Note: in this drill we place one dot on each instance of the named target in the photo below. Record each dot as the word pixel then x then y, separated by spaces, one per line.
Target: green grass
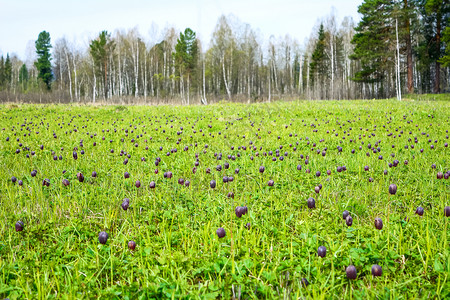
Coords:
pixel 429 97
pixel 178 253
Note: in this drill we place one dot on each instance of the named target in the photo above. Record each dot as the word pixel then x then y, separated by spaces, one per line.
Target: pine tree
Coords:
pixel 373 43
pixel 100 50
pixel 318 65
pixel 186 50
pixel 407 15
pixel 445 60
pixel 435 18
pixel 186 54
pixel 43 63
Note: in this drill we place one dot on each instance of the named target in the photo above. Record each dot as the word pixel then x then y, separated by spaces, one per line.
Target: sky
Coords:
pixel 80 21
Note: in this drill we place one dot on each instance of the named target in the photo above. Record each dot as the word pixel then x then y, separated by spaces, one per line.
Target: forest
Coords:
pixel 398 47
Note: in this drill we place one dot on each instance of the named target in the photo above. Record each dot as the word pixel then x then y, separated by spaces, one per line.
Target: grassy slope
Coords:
pixel 178 252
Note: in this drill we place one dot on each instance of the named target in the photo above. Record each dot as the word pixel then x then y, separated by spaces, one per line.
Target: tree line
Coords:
pixel 398 47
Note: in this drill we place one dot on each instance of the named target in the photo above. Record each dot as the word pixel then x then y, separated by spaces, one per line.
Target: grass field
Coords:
pixel 269 252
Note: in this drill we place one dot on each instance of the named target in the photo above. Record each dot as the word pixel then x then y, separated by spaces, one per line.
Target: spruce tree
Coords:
pixel 43 63
pixel 7 72
pixel 23 77
pixel 318 65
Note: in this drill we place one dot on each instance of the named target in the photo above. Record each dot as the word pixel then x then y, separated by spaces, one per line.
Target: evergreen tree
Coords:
pixel 23 77
pixel 2 72
pixel 43 63
pixel 7 71
pixel 445 60
pixel 318 65
pixel 186 54
pixel 373 42
pixel 100 50
pixel 408 14
pixel 435 17
pixel 186 51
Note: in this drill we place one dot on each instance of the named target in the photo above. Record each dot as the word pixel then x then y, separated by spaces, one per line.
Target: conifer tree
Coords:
pixel 435 18
pixel 2 72
pixel 23 77
pixel 7 71
pixel 373 42
pixel 186 54
pixel 445 60
pixel 43 63
pixel 318 65
pixel 101 49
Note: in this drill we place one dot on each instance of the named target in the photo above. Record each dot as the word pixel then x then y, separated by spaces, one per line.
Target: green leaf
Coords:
pixel 438 267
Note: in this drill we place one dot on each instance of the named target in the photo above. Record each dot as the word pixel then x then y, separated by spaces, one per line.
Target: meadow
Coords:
pixel 226 201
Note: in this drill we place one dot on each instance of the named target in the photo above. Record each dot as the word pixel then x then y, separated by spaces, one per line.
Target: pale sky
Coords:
pixel 79 21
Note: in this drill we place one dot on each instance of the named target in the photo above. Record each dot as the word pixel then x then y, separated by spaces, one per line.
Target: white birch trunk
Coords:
pixel 136 68
pixel 332 68
pixel 300 74
pixel 70 76
pixel 188 89
pixel 145 75
pixel 399 90
pixel 93 90
pixel 270 78
pixel 75 77
pixel 183 100
pixel 225 78
pixel 151 77
pixel 307 78
pixel 204 85
pixel 120 76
